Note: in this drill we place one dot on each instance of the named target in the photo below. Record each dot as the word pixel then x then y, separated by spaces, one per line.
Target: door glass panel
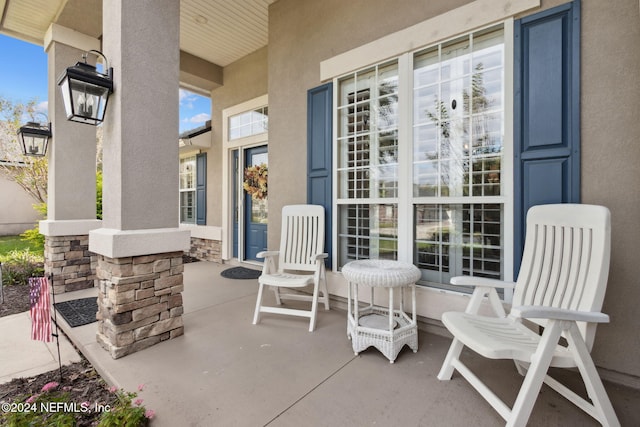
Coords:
pixel 259 204
pixel 256 203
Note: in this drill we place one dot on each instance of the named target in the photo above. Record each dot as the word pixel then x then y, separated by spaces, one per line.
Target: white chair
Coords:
pixel 560 287
pixel 300 263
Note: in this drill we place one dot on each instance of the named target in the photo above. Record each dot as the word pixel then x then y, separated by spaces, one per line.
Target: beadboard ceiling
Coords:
pixel 218 31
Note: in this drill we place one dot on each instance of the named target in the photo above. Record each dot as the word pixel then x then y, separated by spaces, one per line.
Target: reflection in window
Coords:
pixel 458 135
pixel 458 117
pixel 368 163
pixel 368 232
pixel 368 133
pixel 458 239
pixel 446 179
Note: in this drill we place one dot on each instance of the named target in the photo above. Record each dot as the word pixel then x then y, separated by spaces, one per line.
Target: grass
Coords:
pixel 13 243
pixel 20 260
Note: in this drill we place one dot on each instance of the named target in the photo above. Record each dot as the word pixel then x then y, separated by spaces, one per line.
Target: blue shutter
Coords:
pixel 201 189
pixel 319 154
pixel 547 113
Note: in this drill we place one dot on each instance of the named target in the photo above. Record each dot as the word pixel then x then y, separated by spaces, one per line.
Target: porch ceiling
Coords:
pixel 218 31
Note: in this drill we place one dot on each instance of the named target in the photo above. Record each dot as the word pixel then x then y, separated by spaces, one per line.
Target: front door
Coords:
pixel 255 201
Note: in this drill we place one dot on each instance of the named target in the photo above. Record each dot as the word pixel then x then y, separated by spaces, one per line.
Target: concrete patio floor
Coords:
pixel 225 371
pixel 20 356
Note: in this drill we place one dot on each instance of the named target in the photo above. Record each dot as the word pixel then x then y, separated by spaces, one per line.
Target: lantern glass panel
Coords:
pixel 66 97
pixel 34 145
pixel 89 101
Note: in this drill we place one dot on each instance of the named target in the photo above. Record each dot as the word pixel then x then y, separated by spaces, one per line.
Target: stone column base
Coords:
pixel 206 249
pixel 69 260
pixel 139 301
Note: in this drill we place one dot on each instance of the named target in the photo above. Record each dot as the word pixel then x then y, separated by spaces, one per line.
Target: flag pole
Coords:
pixel 55 320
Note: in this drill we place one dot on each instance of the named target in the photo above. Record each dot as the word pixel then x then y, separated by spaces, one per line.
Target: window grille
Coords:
pixel 454 196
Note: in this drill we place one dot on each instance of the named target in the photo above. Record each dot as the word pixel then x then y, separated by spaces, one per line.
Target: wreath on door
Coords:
pixel 255 181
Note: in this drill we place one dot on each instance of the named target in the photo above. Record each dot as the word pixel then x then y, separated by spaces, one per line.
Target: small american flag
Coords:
pixel 40 309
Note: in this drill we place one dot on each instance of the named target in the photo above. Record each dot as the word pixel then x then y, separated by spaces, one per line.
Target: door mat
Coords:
pixel 240 273
pixel 78 312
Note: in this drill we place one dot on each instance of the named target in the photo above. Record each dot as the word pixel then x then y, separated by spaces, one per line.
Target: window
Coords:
pixel 249 123
pixel 188 190
pixel 368 164
pixel 452 193
pixel 458 128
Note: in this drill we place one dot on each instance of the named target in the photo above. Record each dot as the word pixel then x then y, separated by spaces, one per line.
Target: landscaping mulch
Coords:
pixel 16 300
pixel 79 379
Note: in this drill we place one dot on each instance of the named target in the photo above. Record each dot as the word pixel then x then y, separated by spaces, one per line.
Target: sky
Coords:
pixel 23 77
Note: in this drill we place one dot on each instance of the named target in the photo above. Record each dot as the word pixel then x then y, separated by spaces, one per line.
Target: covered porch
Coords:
pixel 226 371
pixel 219 369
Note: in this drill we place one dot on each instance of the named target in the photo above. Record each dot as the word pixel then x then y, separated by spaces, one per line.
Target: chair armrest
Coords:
pixel 481 282
pixel 267 254
pixel 535 312
pixel 318 257
pixel 483 287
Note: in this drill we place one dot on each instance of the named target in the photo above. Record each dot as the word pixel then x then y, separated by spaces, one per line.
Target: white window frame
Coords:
pixel 181 190
pixel 405 200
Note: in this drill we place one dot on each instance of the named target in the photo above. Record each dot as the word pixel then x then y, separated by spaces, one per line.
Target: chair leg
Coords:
pixel 314 307
pixel 592 381
pixel 325 292
pixel 447 366
pixel 256 315
pixel 276 291
pixel 535 376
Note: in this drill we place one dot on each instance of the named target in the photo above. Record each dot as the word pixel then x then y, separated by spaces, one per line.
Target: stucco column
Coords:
pixel 140 245
pixel 71 204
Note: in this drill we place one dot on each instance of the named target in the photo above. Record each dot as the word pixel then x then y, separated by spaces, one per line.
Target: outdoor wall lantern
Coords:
pixel 85 91
pixel 34 138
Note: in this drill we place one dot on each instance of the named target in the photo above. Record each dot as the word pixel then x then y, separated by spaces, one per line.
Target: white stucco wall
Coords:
pixel 16 209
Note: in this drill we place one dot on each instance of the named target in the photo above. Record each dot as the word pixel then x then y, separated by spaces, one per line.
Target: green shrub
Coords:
pixel 33 236
pixel 127 411
pixel 52 406
pixel 29 411
pixel 35 239
pixel 99 195
pixel 18 266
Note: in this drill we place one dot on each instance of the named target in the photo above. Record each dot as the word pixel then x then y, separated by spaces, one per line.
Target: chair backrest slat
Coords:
pixel 302 236
pixel 565 262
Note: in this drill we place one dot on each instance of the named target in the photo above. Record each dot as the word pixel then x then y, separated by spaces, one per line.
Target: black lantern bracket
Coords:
pixel 109 70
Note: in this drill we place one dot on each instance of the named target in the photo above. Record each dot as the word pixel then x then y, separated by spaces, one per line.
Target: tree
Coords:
pixel 30 173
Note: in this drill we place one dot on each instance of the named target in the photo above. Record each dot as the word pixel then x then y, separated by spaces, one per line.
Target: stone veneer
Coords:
pixel 139 301
pixel 69 260
pixel 206 249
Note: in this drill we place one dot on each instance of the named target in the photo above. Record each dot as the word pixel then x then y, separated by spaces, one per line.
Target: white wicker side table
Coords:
pixel 386 328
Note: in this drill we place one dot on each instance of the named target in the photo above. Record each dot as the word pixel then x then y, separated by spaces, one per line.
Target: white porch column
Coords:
pixel 71 204
pixel 140 245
